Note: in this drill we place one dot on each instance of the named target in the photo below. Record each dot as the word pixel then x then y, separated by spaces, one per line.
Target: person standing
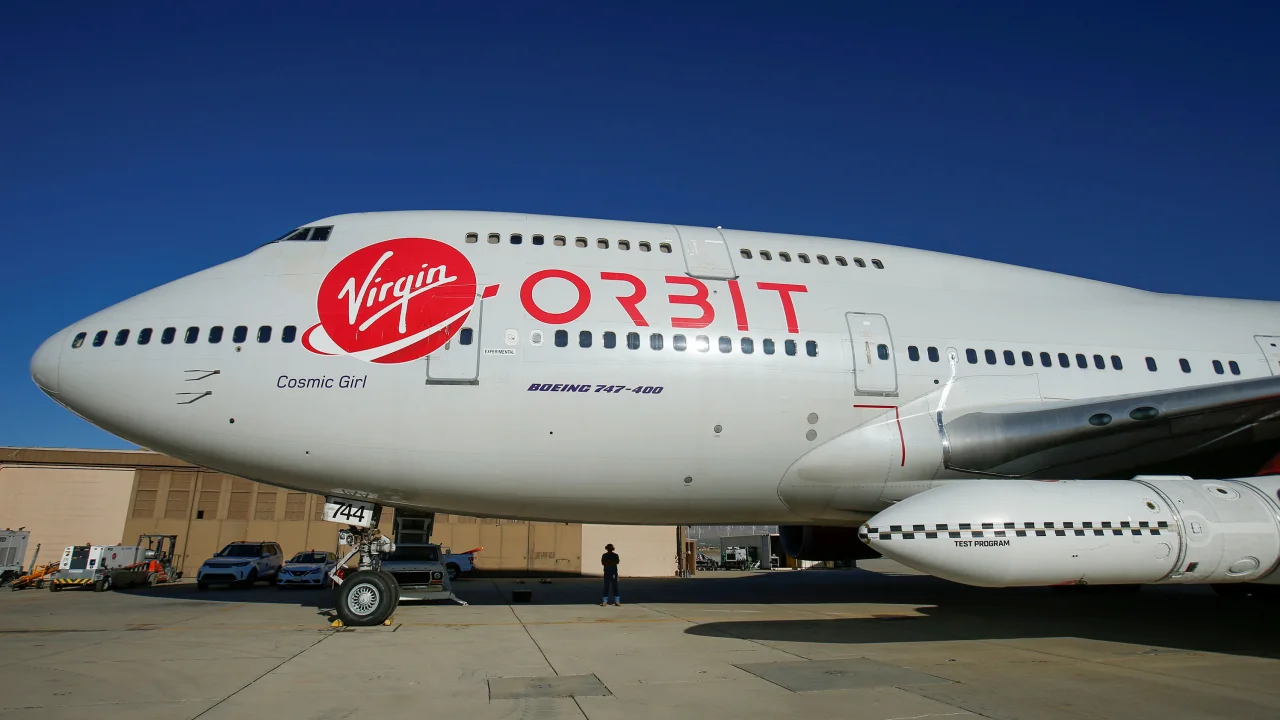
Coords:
pixel 610 562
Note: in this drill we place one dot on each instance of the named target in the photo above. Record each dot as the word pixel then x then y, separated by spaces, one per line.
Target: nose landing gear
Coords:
pixel 370 595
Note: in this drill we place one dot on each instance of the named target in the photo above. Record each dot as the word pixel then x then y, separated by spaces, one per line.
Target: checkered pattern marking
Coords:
pixel 1012 529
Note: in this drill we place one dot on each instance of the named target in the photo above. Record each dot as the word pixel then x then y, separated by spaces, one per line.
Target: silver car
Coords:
pixel 309 568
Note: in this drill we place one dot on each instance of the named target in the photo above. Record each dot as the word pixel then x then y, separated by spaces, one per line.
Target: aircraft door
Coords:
pixel 875 370
pixel 1270 345
pixel 706 254
pixel 458 362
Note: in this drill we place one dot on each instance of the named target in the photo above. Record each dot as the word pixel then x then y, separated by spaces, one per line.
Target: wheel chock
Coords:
pixel 389 620
pixel 336 623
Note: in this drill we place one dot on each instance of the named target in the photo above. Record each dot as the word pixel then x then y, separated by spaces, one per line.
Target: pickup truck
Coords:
pixel 459 563
pixel 419 571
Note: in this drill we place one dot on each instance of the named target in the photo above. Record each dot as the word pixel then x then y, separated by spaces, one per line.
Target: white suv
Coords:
pixel 241 563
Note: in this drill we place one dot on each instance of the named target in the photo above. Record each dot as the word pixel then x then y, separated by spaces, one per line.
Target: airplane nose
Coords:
pixel 44 364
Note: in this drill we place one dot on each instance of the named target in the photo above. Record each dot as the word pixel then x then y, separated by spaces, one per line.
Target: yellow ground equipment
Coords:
pixel 36 578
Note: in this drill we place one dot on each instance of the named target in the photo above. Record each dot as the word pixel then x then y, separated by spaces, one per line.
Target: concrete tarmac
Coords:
pixel 879 642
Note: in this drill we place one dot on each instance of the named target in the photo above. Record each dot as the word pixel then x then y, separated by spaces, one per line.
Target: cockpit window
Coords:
pixel 311 234
pixel 78 341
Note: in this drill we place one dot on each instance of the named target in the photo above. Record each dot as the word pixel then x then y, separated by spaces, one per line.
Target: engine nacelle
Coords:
pixel 821 542
pixel 1000 533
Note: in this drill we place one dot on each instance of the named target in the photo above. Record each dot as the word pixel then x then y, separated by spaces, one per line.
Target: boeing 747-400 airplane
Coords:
pixel 567 369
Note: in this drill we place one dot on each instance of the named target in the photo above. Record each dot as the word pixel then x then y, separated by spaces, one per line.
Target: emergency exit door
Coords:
pixel 458 362
pixel 875 371
pixel 1270 345
pixel 706 254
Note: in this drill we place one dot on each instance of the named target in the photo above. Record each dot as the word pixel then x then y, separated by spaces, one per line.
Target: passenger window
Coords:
pixel 913 353
pixel 1028 359
pixel 811 347
pixel 558 241
pixel 1008 357
pixel 644 246
pixel 802 257
pixel 790 347
pixel 144 336
pixel 193 334
pixel 859 262
pixel 1099 363
pixel 841 261
pixel 726 345
pixel 1151 364
pixel 933 353
pixel 764 255
pixel 562 338
pixel 321 234
pixel 971 355
pixel 702 343
pixel 1115 362
pixel 494 238
pixel 288 333
pixel 466 336
pixel 1046 359
pixel 784 256
pixel 240 334
pixel 990 355
pixel 1063 360
pixel 602 243
pixel 100 338
pixel 665 247
pixel 655 341
pixel 473 238
pixel 745 253
pixel 768 346
pixel 580 242
pixel 538 240
pixel 122 337
pixel 1186 366
pixel 215 334
pixel 75 344
pixel 516 238
pixel 1235 369
pixel 264 334
pixel 1217 366
pixel 610 340
pixel 167 336
pixel 633 341
pixel 1081 361
pixel 584 338
pixel 624 244
pixel 679 343
pixel 748 346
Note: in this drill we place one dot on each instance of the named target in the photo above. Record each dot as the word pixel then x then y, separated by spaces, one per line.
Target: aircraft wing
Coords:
pixel 1233 428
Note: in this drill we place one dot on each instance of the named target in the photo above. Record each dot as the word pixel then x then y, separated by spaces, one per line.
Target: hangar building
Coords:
pixel 76 497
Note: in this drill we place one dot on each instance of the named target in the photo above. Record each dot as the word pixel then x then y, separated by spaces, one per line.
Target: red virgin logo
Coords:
pixel 393 301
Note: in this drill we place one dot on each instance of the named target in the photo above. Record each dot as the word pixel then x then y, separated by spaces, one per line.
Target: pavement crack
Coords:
pixel 268 672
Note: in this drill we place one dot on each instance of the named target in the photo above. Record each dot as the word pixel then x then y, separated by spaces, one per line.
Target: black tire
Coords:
pixel 53 587
pixel 454 571
pixel 394 584
pixel 252 579
pixel 366 598
pixel 101 585
pixel 201 587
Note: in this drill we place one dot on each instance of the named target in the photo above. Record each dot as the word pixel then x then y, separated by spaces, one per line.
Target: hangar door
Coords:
pixel 706 254
pixel 875 371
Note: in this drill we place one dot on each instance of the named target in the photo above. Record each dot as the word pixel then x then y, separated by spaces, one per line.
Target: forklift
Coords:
pixel 156 566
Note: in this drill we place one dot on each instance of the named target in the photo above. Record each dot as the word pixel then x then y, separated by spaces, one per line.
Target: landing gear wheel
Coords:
pixel 395 590
pixel 366 598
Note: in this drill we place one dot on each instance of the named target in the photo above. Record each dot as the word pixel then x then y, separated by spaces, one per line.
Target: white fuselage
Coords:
pixel 492 430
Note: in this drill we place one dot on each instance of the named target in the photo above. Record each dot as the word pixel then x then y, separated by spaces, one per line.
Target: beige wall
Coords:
pixel 512 544
pixel 64 506
pixel 645 551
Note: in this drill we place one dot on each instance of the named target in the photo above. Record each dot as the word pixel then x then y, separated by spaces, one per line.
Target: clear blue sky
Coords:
pixel 139 143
